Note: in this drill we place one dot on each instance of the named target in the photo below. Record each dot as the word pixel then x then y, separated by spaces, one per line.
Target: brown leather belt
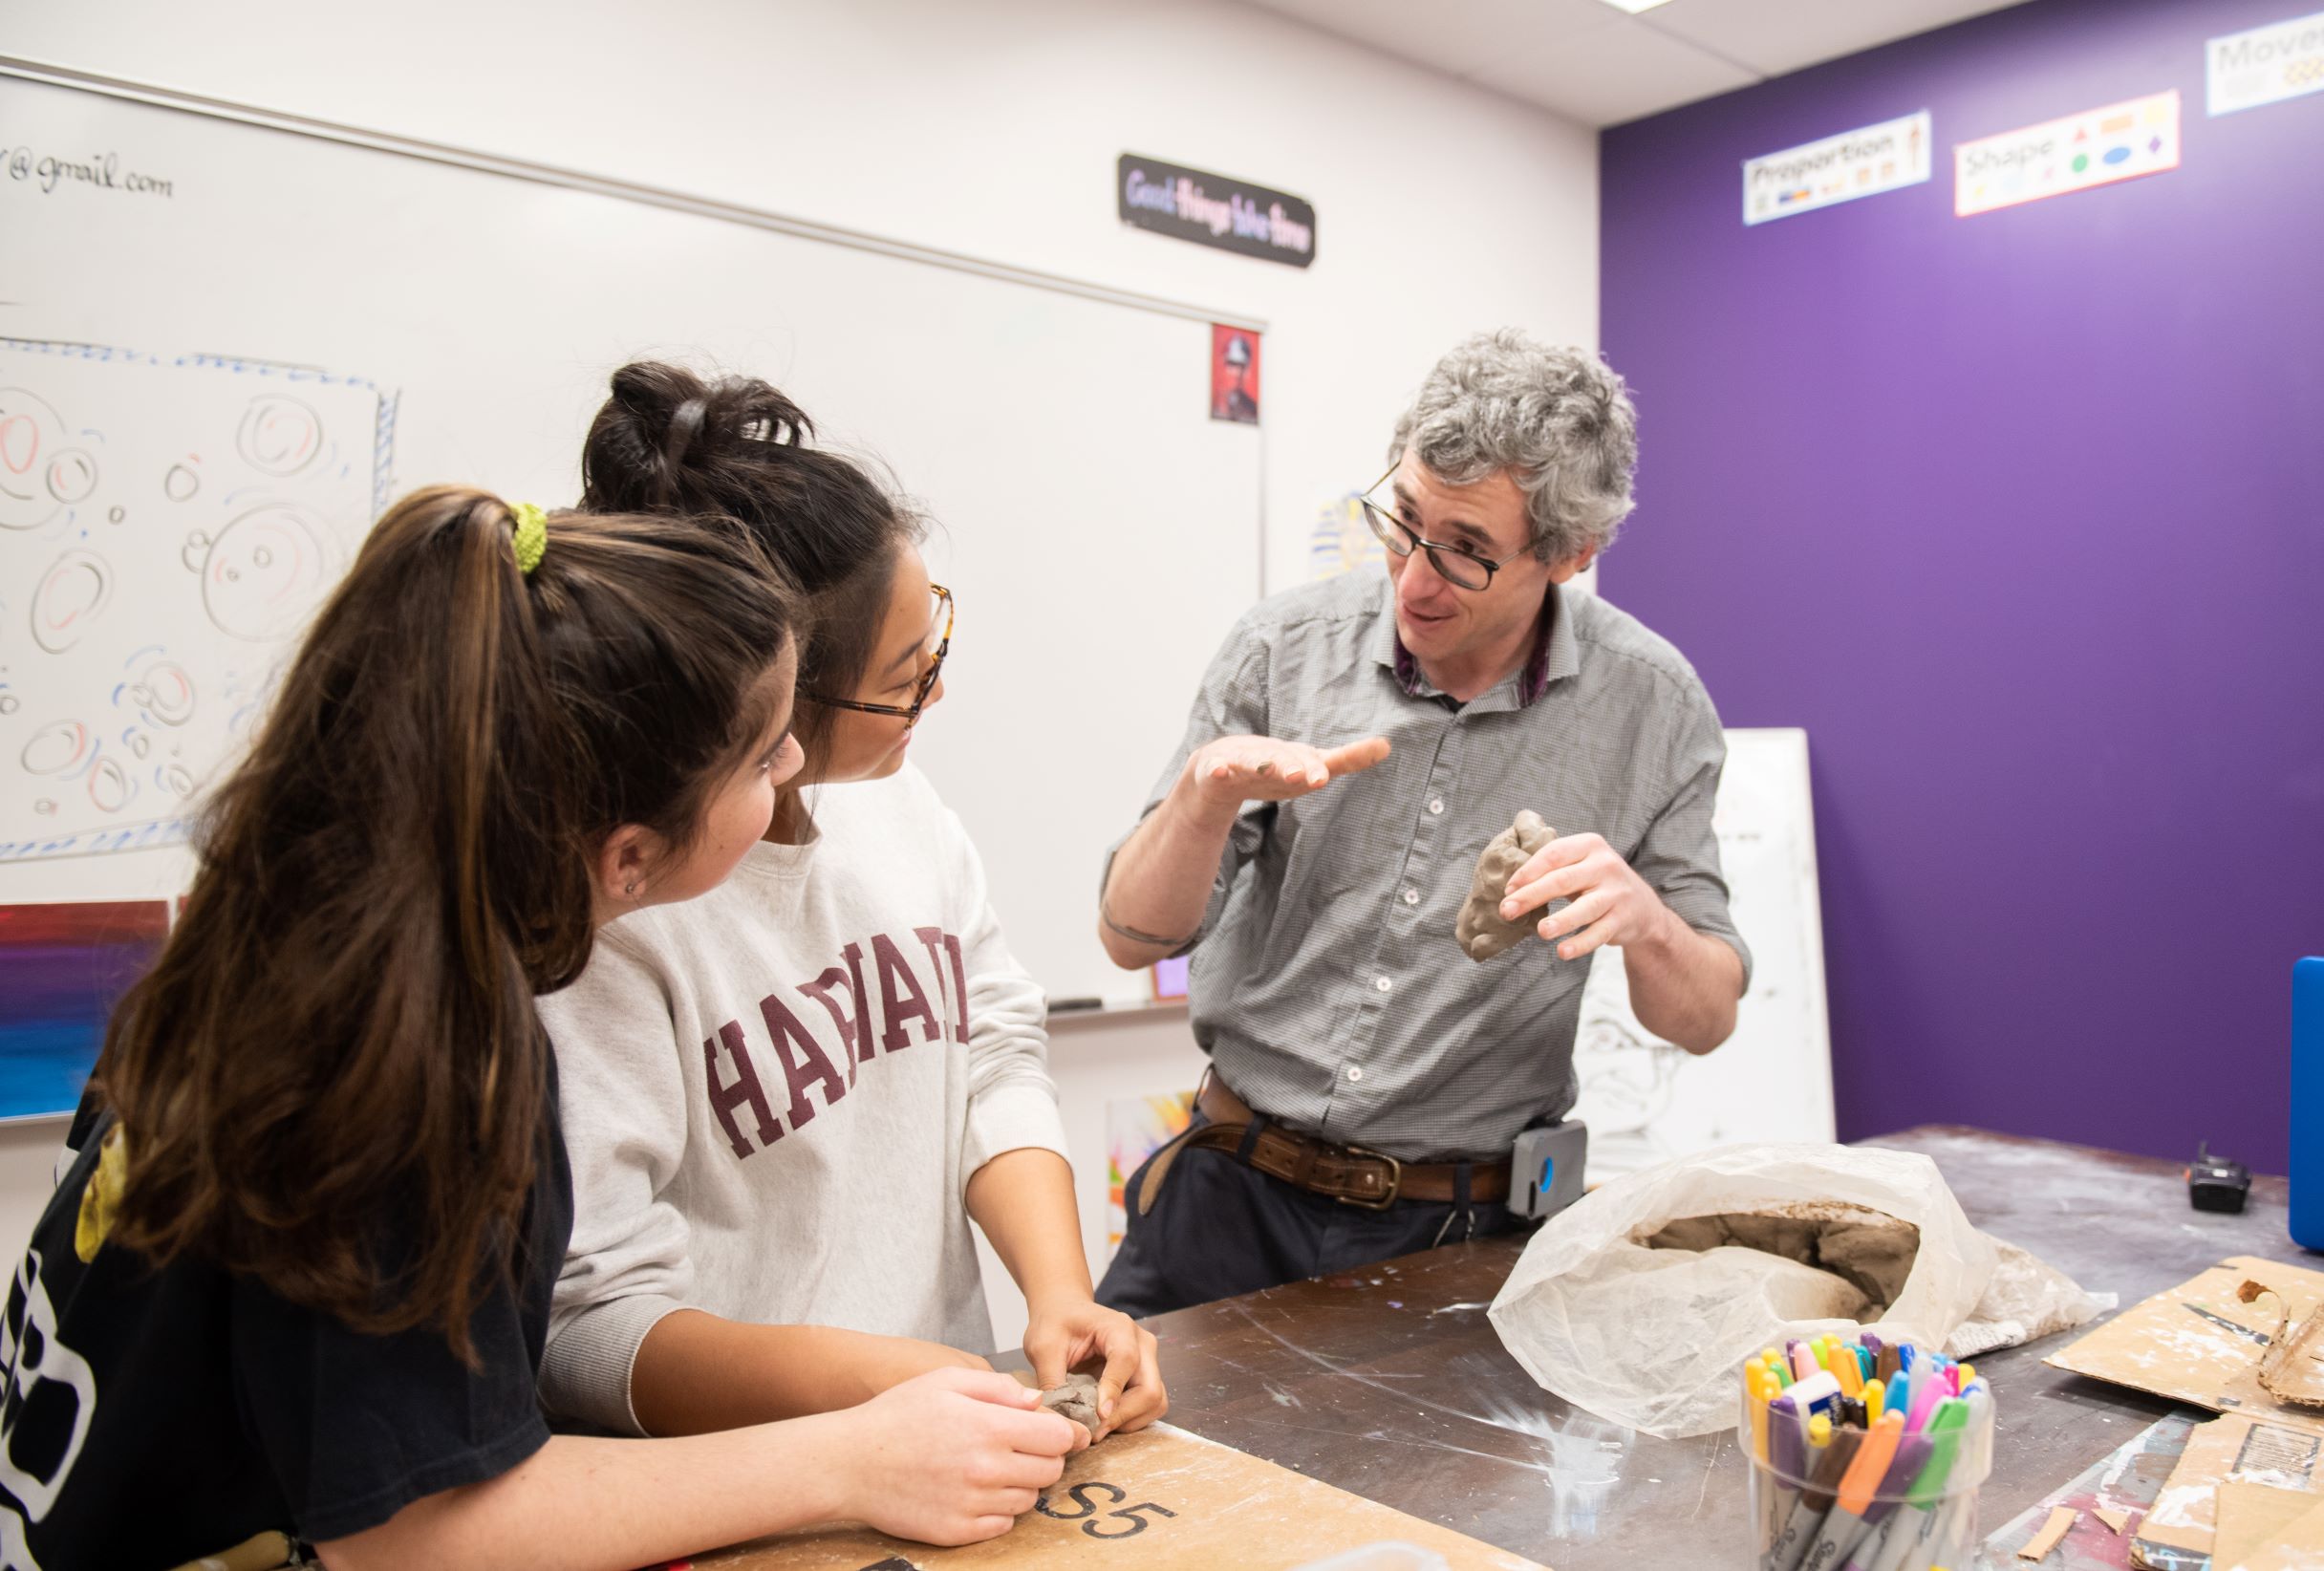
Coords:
pixel 1349 1175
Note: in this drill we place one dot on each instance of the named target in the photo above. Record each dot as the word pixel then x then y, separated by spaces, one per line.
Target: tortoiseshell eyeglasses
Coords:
pixel 938 645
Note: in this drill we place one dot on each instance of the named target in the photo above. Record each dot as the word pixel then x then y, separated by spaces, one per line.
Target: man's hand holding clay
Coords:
pixel 1683 983
pixel 1161 879
pixel 1608 903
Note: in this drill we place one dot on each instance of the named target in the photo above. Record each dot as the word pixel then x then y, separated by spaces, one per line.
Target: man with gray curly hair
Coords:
pixel 1368 1077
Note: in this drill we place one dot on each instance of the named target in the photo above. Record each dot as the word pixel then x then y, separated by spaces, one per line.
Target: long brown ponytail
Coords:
pixel 333 1078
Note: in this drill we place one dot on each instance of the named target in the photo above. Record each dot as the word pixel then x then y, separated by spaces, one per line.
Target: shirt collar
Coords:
pixel 1555 657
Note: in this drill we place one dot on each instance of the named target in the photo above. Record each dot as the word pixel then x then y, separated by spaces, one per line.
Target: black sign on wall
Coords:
pixel 1214 210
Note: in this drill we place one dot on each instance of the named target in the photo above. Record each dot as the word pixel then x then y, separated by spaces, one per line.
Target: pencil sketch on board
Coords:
pixel 173 524
pixel 1646 1100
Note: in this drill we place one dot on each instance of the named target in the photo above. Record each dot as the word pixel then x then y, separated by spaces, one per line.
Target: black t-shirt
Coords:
pixel 155 1417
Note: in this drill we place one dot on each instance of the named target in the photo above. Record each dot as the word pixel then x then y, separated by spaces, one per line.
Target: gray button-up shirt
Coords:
pixel 1327 986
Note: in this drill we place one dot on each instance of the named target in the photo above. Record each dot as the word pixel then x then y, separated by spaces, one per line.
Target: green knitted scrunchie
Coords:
pixel 531 536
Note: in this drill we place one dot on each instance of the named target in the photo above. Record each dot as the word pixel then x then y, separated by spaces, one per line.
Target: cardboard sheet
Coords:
pixel 2113 1490
pixel 2253 1517
pixel 2196 1344
pixel 2298 1545
pixel 2182 1527
pixel 1161 1498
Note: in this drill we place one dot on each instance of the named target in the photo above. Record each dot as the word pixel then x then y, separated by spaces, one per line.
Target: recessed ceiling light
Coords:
pixel 1634 7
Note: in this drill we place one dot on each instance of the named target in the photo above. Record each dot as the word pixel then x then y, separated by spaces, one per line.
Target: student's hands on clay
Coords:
pixel 1610 903
pixel 1229 772
pixel 1064 1333
pixel 954 1456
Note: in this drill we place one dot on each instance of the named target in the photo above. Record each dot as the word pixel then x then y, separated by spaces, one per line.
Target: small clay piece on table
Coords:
pixel 2061 1522
pixel 1480 930
pixel 1076 1399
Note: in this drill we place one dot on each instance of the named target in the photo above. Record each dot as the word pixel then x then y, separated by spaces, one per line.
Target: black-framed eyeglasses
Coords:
pixel 940 644
pixel 1456 565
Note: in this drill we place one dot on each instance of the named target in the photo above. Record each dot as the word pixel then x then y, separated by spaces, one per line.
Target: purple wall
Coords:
pixel 2022 516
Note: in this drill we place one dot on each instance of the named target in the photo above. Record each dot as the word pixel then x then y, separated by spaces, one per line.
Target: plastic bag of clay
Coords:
pixel 1640 1301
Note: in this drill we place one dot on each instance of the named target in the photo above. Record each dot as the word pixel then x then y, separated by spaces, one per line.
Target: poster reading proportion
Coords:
pixel 1854 163
pixel 2096 147
pixel 2265 65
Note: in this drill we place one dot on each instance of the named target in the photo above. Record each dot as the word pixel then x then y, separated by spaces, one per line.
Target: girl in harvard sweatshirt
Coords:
pixel 786 1102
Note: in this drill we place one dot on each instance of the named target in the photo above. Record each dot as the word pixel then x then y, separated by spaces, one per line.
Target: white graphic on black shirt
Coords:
pixel 46 1406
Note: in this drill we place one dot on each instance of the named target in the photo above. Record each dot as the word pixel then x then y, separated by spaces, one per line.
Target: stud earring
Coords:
pixel 630 889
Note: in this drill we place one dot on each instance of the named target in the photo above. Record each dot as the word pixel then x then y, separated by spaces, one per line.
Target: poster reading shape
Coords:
pixel 2264 65
pixel 62 969
pixel 167 527
pixel 1855 164
pixel 2096 147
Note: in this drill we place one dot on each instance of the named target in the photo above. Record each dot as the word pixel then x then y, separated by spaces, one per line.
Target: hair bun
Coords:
pixel 755 411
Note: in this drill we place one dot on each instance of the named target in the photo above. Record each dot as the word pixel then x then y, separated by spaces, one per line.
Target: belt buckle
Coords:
pixel 1395 1180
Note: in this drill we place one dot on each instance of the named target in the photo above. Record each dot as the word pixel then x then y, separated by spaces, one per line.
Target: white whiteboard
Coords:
pixel 300 326
pixel 1646 1100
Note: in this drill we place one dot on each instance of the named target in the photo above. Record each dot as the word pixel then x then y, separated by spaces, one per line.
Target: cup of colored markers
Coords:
pixel 1866 1455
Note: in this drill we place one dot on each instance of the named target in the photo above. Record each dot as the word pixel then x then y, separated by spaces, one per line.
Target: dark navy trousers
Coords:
pixel 1219 1228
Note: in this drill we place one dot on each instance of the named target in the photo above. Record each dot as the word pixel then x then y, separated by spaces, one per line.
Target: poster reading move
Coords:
pixel 2265 65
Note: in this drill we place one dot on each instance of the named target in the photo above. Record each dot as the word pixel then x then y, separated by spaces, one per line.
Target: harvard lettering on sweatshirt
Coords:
pixel 774 1096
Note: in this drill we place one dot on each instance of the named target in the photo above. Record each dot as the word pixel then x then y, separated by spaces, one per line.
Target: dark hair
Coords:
pixel 333 1078
pixel 669 440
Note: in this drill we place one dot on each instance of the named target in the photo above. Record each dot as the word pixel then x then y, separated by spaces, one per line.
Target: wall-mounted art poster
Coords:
pixel 2096 147
pixel 1854 163
pixel 1234 374
pixel 62 969
pixel 2264 65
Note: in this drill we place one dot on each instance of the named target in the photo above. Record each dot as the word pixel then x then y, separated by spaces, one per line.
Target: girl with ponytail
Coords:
pixel 786 1102
pixel 292 1291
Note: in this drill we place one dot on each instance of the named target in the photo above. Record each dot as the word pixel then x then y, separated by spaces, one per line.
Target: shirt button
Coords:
pixel 1411 897
pixel 1436 805
pixel 1383 983
pixel 1355 1072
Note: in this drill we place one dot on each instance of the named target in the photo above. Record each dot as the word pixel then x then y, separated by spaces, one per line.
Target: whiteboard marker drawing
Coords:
pixel 200 511
pixel 31 434
pixel 262 572
pixel 109 787
pixel 71 474
pixel 72 594
pixel 279 436
pixel 56 747
pixel 164 692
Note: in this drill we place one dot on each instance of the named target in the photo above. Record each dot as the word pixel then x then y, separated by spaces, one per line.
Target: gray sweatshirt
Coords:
pixel 775 1095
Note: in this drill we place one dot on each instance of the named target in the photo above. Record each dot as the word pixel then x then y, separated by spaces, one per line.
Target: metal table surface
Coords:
pixel 1391 1384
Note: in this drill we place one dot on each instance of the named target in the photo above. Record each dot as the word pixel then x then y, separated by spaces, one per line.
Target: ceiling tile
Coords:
pixel 1614 74
pixel 1454 35
pixel 1774 36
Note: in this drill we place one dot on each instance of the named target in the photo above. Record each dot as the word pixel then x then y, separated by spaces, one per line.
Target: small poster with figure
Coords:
pixel 1234 374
